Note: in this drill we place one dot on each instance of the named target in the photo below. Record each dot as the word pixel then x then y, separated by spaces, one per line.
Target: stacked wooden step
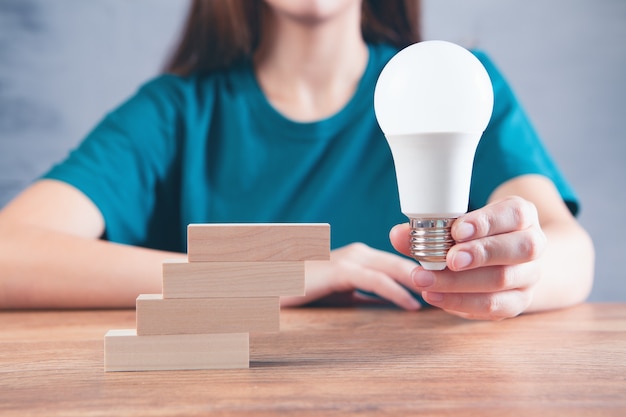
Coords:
pixel 229 286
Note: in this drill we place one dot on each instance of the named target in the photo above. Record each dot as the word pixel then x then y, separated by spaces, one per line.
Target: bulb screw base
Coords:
pixel 430 240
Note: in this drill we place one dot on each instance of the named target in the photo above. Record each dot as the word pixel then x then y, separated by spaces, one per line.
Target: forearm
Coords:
pixel 40 268
pixel 567 267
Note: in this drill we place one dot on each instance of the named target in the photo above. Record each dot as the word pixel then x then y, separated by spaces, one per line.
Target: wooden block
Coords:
pixel 125 351
pixel 250 242
pixel 158 315
pixel 182 279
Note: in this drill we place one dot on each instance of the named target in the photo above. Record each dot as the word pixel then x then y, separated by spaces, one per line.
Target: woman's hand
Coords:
pixel 493 267
pixel 359 267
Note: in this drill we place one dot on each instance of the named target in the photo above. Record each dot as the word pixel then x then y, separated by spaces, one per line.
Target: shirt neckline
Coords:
pixel 267 114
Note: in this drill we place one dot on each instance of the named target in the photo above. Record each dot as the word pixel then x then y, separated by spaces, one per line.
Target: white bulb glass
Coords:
pixel 433 100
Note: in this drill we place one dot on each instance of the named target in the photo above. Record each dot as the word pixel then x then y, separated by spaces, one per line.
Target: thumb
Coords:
pixel 399 237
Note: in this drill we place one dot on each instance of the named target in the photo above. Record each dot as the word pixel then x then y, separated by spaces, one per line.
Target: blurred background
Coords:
pixel 64 63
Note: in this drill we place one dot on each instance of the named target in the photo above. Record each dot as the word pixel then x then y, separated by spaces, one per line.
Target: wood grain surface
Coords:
pixel 158 315
pixel 338 362
pixel 254 242
pixel 182 279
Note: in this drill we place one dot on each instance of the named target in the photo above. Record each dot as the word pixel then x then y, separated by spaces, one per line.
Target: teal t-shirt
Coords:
pixel 212 149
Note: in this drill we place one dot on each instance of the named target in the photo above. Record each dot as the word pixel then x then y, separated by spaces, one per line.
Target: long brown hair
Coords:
pixel 219 33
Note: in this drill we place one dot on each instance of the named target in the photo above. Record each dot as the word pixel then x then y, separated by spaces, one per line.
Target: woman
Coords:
pixel 267 116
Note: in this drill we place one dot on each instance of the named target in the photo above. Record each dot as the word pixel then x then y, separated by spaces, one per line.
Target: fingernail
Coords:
pixel 462 260
pixel 413 304
pixel 433 296
pixel 423 278
pixel 464 231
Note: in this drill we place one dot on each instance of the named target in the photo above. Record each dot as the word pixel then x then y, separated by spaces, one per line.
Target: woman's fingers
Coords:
pixel 490 272
pixel 358 266
pixel 482 306
pixel 508 215
pixel 378 283
pixel 489 279
pixel 490 293
pixel 506 232
pixel 504 249
pixel 399 237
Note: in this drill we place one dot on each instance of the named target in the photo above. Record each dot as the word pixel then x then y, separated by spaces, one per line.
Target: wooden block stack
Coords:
pixel 229 286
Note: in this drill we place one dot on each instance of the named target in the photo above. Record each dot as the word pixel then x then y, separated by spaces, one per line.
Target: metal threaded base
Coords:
pixel 430 240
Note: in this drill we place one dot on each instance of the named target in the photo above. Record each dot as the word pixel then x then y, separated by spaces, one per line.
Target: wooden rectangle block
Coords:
pixel 182 279
pixel 158 315
pixel 125 351
pixel 249 242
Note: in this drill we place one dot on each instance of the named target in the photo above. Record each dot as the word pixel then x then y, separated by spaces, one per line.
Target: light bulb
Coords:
pixel 433 100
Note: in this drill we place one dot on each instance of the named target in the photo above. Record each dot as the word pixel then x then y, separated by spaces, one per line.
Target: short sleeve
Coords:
pixel 120 162
pixel 510 147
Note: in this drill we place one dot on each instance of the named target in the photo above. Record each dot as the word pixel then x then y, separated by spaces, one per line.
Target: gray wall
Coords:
pixel 63 63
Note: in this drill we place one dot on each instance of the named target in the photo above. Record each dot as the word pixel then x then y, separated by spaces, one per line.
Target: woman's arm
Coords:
pixel 51 255
pixel 522 252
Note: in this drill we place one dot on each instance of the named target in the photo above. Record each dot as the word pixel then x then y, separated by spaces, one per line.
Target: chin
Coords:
pixel 312 11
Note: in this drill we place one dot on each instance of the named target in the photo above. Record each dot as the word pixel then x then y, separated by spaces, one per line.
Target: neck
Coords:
pixel 309 69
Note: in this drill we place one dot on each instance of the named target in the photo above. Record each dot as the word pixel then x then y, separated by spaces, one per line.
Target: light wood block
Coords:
pixel 250 242
pixel 182 279
pixel 158 315
pixel 125 351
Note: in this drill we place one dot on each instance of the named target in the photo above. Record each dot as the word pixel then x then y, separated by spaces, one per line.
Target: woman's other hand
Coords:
pixel 359 267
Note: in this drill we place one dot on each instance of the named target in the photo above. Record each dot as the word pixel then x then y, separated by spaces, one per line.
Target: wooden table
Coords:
pixel 351 361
